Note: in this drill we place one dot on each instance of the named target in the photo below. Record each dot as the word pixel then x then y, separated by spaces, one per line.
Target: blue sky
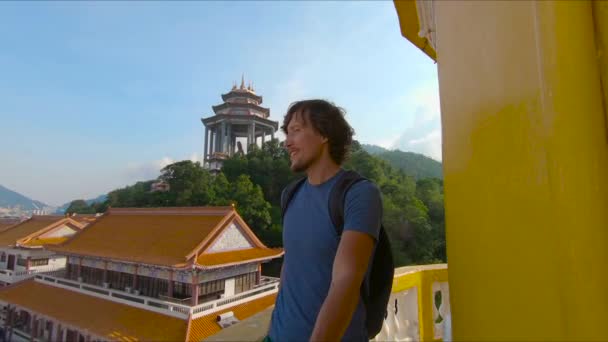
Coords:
pixel 97 95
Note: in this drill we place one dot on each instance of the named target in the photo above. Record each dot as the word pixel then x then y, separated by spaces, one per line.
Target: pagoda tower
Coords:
pixel 240 120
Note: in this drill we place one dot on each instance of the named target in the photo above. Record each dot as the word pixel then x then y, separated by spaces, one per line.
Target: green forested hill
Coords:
pixel 413 207
pixel 414 164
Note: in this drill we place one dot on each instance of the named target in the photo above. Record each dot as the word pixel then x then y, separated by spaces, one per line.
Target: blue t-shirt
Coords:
pixel 310 242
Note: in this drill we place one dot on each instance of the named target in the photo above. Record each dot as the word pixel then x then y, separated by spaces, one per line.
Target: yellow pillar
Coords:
pixel 525 156
pixel 600 16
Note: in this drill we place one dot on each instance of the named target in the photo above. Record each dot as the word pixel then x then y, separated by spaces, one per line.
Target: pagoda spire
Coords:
pixel 243 81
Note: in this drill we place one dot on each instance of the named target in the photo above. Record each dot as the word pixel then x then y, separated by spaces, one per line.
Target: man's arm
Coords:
pixel 349 268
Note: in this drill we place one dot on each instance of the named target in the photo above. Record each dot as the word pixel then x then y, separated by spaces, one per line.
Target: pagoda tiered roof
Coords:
pixel 169 237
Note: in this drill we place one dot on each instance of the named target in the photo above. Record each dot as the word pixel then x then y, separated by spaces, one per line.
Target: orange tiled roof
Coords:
pixel 158 236
pixel 35 224
pixel 206 326
pixel 105 318
pixel 237 256
pixel 4 226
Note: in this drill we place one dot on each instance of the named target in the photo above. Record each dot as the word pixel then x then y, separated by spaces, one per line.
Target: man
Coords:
pixel 322 273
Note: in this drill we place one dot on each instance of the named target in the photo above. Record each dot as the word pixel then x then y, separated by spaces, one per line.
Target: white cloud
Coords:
pixel 146 170
pixel 423 133
pixel 429 145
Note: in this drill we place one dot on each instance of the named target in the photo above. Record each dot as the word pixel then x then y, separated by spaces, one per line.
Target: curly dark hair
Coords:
pixel 328 120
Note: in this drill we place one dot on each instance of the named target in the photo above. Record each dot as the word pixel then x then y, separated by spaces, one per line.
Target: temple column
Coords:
pixel 135 278
pixel 222 143
pixel 530 94
pixel 105 271
pixel 194 289
pixel 28 263
pixel 52 330
pixel 7 321
pixel 33 326
pixel 230 147
pixel 253 133
pixel 263 136
pixel 206 145
pixel 79 268
pixel 272 133
pixel 59 333
pixel 217 139
pixel 170 287
pixel 258 275
pixel 12 324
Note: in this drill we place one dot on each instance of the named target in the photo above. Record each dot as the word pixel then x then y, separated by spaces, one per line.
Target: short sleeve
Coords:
pixel 363 209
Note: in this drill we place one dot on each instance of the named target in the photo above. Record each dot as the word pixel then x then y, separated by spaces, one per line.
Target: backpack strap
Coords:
pixel 288 193
pixel 337 197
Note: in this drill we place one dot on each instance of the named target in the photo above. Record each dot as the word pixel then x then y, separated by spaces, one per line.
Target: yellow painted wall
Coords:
pixel 525 158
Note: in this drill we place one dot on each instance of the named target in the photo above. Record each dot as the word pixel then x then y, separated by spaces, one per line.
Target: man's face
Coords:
pixel 303 143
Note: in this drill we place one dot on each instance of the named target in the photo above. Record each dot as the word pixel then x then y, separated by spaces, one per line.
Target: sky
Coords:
pixel 95 96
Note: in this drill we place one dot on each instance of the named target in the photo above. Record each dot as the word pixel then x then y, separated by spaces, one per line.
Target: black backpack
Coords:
pixel 376 296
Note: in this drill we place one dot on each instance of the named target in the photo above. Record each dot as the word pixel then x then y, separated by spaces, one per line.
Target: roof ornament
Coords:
pixel 243 81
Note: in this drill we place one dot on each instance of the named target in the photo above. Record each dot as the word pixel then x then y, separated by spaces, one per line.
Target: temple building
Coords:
pixel 24 246
pixel 170 274
pixel 239 120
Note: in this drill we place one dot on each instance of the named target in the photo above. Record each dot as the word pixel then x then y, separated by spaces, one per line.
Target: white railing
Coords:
pixel 418 310
pixel 123 297
pixel 243 297
pixel 159 305
pixel 419 306
pixel 10 276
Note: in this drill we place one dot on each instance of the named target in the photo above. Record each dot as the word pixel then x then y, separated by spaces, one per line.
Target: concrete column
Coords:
pixel 170 287
pixel 222 143
pixel 28 263
pixel 33 327
pixel 258 275
pixel 7 321
pixel 12 324
pixel 105 272
pixel 229 140
pixel 53 330
pixel 253 133
pixel 194 289
pixel 79 268
pixel 59 332
pixel 524 131
pixel 217 131
pixel 249 138
pixel 206 145
pixel 272 133
pixel 135 278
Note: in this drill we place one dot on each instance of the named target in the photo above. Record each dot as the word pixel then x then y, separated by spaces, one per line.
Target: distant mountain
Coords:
pixel 98 199
pixel 11 199
pixel 374 149
pixel 414 164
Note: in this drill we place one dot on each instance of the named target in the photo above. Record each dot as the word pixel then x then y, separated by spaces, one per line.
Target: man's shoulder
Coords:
pixel 364 187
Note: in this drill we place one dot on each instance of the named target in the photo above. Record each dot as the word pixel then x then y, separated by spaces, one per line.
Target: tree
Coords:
pixel 80 207
pixel 413 209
